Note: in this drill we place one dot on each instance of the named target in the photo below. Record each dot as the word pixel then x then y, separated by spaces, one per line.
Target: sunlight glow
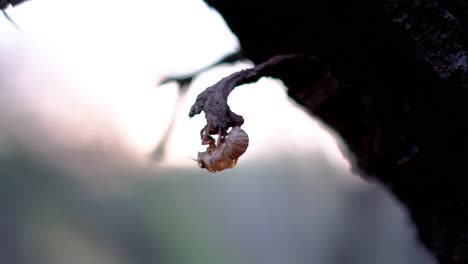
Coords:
pixel 100 61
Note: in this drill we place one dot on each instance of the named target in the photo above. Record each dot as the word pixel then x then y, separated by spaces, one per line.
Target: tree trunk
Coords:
pixel 401 102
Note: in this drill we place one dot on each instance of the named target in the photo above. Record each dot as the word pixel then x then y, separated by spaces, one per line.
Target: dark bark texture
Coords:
pixel 393 84
pixel 6 3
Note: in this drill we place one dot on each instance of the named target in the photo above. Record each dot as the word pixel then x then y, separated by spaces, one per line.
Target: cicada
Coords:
pixel 224 153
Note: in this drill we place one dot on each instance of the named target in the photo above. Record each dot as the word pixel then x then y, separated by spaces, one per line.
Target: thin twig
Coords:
pixel 5 14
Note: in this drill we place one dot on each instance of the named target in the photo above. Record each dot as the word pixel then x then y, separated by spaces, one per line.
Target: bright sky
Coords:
pixel 99 62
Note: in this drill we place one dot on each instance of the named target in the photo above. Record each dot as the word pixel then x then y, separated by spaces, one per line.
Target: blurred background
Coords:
pixel 81 114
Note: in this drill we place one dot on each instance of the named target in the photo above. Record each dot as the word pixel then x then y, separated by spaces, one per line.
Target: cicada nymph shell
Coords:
pixel 224 153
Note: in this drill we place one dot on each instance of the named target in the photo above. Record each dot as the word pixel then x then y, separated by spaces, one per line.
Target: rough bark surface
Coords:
pixel 213 101
pixel 392 84
pixel 440 31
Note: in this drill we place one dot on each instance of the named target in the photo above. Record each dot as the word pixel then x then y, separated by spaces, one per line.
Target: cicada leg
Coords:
pixel 205 136
pixel 221 136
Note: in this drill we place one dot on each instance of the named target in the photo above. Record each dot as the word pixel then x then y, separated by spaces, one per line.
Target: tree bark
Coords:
pixel 401 102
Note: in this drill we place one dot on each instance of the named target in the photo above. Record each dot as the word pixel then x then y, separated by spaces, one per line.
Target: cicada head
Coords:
pixel 216 160
pixel 201 159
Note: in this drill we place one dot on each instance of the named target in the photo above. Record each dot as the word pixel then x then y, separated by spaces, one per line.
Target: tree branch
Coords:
pixel 213 101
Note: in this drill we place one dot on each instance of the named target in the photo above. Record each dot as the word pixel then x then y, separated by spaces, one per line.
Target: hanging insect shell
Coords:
pixel 225 153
